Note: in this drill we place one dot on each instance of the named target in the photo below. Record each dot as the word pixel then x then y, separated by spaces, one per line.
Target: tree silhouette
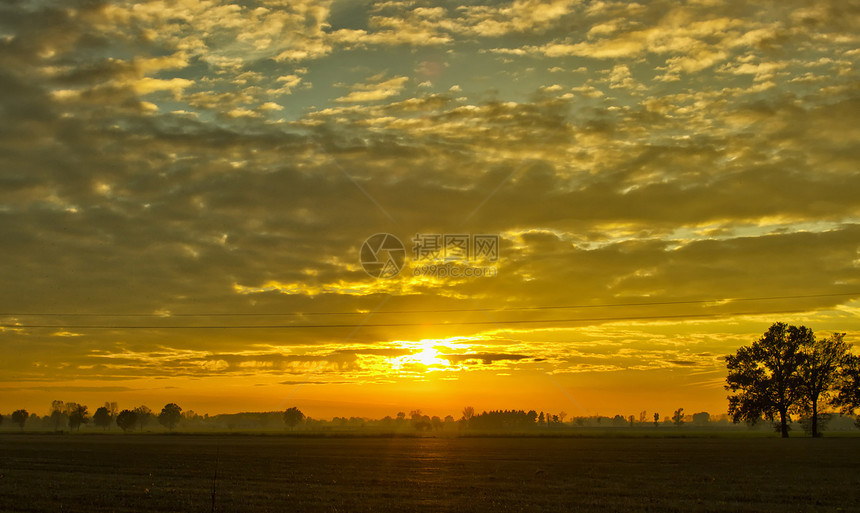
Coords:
pixel 678 417
pixel 1 420
pixel 468 413
pixel 819 371
pixel 656 419
pixel 58 415
pixel 293 417
pixel 102 417
pixel 764 377
pixel 20 417
pixel 144 414
pixel 436 422
pixel 126 419
pixel 77 415
pixel 112 410
pixel 420 421
pixel 848 398
pixel 504 420
pixel 701 418
pixel 170 415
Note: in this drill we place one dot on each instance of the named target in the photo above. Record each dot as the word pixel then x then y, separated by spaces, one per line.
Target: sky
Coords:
pixel 365 207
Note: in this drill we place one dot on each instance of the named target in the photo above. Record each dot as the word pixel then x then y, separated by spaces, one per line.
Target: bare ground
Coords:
pixel 102 473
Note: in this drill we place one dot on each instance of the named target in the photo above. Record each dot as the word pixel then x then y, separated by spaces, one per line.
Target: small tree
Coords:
pixel 819 372
pixel 77 415
pixel 170 416
pixel 678 417
pixel 436 423
pixel 144 415
pixel 113 410
pixel 468 413
pixel 656 419
pixel 293 417
pixel 102 417
pixel 701 418
pixel 20 417
pixel 126 420
pixel 420 422
pixel 58 414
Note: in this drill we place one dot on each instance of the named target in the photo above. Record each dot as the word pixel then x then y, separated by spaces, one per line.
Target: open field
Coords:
pixel 96 473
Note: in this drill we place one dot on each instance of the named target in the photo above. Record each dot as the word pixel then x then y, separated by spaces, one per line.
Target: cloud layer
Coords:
pixel 226 159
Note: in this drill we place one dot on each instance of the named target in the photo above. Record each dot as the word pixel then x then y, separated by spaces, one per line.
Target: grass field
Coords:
pixel 96 473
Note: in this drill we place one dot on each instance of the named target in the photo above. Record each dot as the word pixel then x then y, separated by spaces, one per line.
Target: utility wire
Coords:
pixel 450 310
pixel 380 325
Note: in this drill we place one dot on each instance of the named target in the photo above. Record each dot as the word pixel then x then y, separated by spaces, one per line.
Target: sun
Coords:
pixel 426 358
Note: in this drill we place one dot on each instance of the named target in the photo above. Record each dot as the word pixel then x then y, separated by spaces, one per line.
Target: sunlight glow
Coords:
pixel 425 358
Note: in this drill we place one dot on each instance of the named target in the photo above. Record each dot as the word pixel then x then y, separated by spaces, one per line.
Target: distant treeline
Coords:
pixel 71 416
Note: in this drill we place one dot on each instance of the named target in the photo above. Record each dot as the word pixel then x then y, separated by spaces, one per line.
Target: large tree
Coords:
pixel 764 378
pixel 170 415
pixel 819 371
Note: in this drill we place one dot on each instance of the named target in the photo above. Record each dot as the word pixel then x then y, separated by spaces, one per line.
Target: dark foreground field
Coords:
pixel 175 473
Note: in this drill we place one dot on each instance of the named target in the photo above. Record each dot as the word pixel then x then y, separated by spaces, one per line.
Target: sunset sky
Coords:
pixel 185 188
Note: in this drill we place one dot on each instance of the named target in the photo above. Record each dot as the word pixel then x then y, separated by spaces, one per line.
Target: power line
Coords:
pixel 449 310
pixel 383 325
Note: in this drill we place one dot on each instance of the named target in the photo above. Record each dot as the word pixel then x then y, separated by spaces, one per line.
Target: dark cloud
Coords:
pixel 484 358
pixel 682 363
